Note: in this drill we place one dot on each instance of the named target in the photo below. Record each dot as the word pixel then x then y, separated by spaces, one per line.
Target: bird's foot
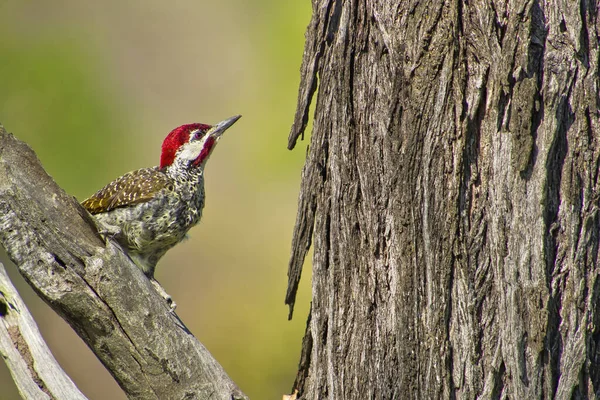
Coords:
pixel 164 295
pixel 108 231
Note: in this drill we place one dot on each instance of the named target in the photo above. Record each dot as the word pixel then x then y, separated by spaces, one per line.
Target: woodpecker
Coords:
pixel 150 210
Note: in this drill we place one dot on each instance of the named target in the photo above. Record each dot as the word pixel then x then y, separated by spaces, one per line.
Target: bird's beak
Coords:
pixel 217 130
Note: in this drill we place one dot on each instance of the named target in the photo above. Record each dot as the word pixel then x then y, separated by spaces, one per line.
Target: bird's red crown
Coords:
pixel 177 138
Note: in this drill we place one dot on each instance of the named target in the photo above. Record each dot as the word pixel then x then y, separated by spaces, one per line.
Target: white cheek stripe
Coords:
pixel 191 150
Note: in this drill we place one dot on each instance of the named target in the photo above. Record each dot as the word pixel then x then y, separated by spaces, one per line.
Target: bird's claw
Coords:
pixel 164 295
pixel 108 231
pixel 171 303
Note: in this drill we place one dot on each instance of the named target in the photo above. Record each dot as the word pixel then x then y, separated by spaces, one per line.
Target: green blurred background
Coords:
pixel 94 87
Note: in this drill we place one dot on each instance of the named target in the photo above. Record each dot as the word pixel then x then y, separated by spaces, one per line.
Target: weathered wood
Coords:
pixel 34 369
pixel 97 289
pixel 451 192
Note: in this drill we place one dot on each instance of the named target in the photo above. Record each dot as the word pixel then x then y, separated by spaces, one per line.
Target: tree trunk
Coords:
pixel 451 190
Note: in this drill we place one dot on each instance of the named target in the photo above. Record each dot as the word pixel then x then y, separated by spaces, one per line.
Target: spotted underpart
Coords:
pixel 166 209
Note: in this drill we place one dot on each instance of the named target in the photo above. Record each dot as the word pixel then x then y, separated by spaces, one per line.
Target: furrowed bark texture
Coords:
pixel 97 289
pixel 451 194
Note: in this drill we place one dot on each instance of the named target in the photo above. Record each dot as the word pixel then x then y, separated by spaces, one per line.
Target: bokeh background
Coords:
pixel 93 88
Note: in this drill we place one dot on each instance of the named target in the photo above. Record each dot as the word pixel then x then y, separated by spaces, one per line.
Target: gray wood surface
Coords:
pixel 34 369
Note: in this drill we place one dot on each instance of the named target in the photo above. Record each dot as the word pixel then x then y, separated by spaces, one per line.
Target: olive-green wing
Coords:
pixel 132 188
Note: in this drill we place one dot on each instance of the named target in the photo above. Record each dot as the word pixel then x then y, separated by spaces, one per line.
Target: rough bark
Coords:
pixel 97 289
pixel 451 191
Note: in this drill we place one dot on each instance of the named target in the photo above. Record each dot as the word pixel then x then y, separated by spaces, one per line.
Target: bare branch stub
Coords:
pixel 34 369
